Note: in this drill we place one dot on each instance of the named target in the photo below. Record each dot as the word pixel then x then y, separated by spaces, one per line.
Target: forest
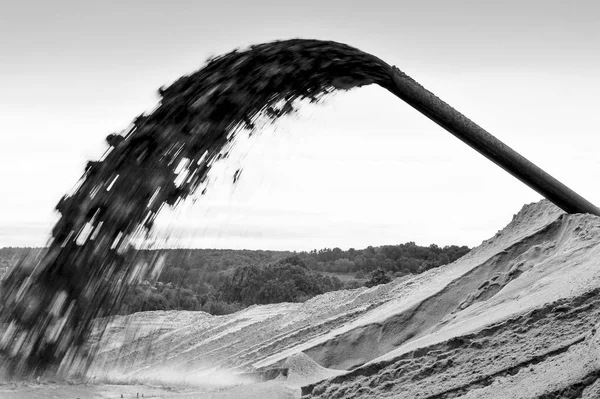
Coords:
pixel 221 281
pixel 224 281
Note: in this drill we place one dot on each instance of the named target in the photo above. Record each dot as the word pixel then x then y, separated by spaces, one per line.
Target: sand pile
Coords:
pixel 515 318
pixel 520 307
pixel 521 324
pixel 301 370
pixel 403 311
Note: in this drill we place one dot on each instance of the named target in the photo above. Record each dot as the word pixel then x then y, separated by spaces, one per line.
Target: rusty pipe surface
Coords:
pixel 489 146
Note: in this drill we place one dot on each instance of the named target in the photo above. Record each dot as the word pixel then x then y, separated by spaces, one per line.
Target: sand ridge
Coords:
pixel 515 318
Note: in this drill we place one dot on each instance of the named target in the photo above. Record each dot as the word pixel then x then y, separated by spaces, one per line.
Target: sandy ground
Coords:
pixel 515 318
pixel 267 390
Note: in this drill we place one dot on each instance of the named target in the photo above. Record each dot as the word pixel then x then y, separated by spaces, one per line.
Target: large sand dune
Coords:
pixel 515 318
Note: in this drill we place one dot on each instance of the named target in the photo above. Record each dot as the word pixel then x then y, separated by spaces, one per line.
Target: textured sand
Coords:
pixel 515 318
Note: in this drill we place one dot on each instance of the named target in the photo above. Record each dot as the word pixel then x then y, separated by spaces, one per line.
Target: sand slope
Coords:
pixel 514 318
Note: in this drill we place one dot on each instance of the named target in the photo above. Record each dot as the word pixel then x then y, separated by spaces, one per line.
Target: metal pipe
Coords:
pixel 489 146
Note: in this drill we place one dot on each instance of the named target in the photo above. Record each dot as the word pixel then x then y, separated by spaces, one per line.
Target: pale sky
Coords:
pixel 362 169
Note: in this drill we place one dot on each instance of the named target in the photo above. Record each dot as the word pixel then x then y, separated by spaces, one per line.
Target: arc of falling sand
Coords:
pixel 164 157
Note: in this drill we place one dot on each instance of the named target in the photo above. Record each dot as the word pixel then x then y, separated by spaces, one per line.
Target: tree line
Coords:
pixel 224 281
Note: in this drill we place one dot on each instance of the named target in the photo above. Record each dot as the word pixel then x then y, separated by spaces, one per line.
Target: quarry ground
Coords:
pixel 515 318
pixel 108 391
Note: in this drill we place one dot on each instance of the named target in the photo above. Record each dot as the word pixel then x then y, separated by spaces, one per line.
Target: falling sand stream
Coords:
pixel 47 309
